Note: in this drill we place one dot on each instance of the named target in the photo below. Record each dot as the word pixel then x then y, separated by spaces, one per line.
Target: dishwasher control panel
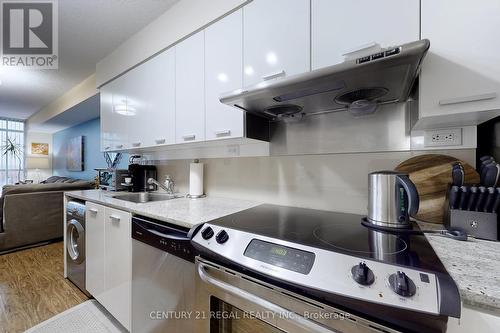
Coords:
pixel 163 237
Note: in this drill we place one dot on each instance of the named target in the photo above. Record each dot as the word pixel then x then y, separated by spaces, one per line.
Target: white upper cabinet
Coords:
pixel 113 132
pixel 158 84
pixel 190 89
pixel 276 39
pixel 120 112
pixel 461 72
pixel 340 26
pixel 223 73
pixel 106 99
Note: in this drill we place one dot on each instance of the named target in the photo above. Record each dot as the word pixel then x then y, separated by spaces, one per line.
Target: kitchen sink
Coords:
pixel 143 197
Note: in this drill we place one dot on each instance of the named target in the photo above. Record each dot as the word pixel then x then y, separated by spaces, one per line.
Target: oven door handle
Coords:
pixel 302 323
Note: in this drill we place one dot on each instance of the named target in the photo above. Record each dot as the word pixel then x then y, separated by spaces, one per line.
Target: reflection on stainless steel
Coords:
pixel 143 197
pixel 280 310
pixel 387 247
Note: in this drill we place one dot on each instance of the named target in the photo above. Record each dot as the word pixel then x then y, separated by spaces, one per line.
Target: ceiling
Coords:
pixel 88 31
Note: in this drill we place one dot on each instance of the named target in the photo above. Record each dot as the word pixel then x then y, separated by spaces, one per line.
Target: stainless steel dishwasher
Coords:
pixel 163 277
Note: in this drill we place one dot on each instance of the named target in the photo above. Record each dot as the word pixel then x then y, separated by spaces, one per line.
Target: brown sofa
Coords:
pixel 33 213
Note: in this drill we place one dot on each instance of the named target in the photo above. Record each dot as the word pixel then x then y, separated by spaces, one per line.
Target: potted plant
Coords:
pixel 14 150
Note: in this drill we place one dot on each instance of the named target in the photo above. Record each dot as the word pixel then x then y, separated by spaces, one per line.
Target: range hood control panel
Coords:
pixel 378 55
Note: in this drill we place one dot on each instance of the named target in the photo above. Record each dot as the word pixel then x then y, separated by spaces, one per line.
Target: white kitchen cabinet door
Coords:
pixel 461 72
pixel 118 265
pixel 159 85
pixel 136 118
pixel 340 26
pixel 190 89
pixel 106 100
pixel 276 39
pixel 94 250
pixel 121 113
pixel 223 73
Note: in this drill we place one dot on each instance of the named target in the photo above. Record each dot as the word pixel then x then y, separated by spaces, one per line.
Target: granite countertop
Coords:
pixel 472 264
pixel 474 267
pixel 181 211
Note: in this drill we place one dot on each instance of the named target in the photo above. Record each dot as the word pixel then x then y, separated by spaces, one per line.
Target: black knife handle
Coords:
pixel 496 204
pixel 481 199
pixel 490 200
pixel 471 205
pixel 454 197
pixel 464 198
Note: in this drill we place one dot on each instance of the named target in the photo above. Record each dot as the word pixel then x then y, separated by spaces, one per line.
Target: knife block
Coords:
pixel 478 224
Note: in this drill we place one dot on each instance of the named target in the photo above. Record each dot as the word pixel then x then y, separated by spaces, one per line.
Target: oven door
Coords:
pixel 231 302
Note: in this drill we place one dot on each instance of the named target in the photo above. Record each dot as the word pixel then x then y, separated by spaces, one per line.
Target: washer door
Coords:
pixel 75 241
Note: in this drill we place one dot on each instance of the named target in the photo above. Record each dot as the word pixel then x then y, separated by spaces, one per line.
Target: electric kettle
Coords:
pixel 392 199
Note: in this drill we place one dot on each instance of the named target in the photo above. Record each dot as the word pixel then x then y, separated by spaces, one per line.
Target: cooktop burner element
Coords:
pixel 377 245
pixel 333 255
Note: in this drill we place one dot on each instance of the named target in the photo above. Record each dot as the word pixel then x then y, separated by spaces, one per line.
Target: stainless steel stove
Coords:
pixel 283 269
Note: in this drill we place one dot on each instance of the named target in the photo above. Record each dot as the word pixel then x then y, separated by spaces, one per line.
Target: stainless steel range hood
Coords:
pixel 357 85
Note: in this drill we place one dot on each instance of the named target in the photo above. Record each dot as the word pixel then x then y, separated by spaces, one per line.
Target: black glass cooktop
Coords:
pixel 338 232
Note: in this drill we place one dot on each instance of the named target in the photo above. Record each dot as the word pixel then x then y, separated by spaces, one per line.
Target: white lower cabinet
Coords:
pixel 108 245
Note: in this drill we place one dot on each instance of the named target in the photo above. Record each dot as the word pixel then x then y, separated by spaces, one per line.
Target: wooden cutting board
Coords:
pixel 431 174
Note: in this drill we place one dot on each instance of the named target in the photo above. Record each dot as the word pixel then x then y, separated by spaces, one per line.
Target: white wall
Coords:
pixel 181 20
pixel 39 137
pixel 332 182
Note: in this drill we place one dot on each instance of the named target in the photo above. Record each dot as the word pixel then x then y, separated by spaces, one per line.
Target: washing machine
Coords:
pixel 75 243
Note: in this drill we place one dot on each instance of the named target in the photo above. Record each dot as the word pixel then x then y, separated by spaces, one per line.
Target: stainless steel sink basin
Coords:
pixel 143 197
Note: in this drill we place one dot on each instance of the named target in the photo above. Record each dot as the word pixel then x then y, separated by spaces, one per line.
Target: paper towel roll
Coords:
pixel 196 179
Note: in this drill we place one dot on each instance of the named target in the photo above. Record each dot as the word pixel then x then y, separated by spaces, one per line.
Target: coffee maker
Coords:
pixel 140 174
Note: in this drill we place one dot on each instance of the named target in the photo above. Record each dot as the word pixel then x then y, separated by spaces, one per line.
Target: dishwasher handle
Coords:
pixel 160 230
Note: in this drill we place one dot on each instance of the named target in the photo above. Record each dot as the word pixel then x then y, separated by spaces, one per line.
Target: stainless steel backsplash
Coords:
pixel 388 129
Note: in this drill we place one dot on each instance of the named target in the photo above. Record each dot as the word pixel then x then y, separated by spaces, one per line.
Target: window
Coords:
pixel 11 131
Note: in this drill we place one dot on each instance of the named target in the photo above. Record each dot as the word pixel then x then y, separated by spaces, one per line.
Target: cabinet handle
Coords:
pixel 190 137
pixel 136 144
pixel 107 148
pixel 93 211
pixel 223 133
pixel 473 98
pixel 114 217
pixel 160 141
pixel 119 146
pixel 274 75
pixel 349 52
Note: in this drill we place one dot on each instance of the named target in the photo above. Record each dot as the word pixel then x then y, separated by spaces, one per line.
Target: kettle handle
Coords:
pixel 411 191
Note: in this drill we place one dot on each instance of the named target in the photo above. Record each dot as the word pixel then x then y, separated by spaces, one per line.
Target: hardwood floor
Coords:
pixel 33 289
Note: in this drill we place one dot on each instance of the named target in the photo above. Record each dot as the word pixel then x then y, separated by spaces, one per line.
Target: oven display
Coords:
pixel 281 256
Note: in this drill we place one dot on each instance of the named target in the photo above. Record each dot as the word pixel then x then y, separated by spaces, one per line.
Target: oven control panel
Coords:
pixel 281 256
pixel 323 270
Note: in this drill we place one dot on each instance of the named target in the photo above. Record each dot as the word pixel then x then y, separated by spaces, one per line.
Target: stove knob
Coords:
pixel 362 274
pixel 402 284
pixel 222 237
pixel 207 233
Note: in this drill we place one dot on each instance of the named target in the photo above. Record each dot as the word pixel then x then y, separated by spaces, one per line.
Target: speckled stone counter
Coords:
pixel 474 265
pixel 181 211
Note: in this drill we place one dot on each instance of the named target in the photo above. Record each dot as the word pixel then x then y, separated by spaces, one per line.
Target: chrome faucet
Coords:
pixel 168 184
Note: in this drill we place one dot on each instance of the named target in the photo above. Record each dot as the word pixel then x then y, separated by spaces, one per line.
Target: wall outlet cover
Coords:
pixel 443 137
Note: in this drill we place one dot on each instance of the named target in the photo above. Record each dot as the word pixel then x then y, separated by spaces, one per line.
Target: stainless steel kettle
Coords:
pixel 392 199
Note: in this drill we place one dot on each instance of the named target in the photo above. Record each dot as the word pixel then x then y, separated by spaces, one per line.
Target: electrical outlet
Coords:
pixel 443 137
